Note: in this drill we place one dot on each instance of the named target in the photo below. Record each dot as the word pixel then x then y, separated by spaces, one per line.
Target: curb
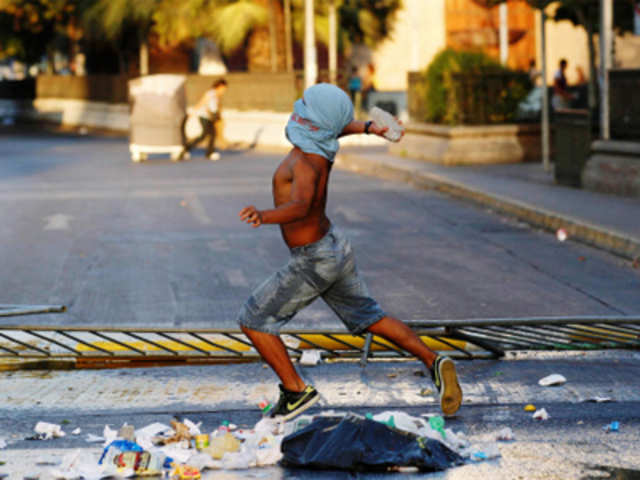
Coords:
pixel 612 241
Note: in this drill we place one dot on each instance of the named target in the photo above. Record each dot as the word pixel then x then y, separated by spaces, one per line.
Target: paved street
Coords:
pixel 160 244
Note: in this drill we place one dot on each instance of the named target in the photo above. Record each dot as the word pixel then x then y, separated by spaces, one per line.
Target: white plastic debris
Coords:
pixel 77 431
pixel 83 464
pixel 541 414
pixel 561 234
pixel 505 435
pixel 289 341
pixel 310 358
pixel 483 452
pixel 49 430
pixel 3 443
pixel 598 399
pixel 109 435
pixel 194 428
pixel 91 438
pixel 552 380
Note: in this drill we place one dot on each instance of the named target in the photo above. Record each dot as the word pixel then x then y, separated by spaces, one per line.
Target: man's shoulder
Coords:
pixel 313 160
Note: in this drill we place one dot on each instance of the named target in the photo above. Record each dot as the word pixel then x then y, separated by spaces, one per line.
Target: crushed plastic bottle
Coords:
pixel 385 119
pixel 222 444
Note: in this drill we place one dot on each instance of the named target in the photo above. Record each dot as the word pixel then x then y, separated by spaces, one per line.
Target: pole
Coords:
pixel 606 27
pixel 310 60
pixel 504 33
pixel 333 42
pixel 546 162
pixel 287 35
pixel 273 45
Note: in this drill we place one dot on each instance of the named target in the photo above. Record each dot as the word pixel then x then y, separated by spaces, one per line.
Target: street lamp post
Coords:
pixel 546 161
pixel 606 28
pixel 333 42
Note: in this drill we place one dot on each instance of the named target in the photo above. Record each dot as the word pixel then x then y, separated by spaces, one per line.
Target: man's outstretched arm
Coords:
pixel 303 191
pixel 358 126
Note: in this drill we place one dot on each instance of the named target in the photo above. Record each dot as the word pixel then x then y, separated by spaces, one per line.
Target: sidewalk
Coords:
pixel 523 190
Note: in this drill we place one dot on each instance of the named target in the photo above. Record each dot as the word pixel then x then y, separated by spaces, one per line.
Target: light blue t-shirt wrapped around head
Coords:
pixel 318 118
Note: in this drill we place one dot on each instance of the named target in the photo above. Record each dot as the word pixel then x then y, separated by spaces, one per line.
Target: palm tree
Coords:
pixel 115 18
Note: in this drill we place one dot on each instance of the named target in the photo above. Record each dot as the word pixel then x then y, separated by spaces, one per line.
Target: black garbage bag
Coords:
pixel 360 444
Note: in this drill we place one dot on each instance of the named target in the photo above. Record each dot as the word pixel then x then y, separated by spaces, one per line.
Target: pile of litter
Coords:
pixel 391 440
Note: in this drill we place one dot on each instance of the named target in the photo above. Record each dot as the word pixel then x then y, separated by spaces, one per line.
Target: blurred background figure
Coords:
pixel 207 110
pixel 355 89
pixel 561 95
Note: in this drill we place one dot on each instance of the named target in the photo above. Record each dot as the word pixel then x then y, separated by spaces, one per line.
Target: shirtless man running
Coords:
pixel 322 263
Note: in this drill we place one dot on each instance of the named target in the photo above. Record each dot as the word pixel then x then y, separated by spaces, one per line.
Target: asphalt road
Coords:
pixel 160 244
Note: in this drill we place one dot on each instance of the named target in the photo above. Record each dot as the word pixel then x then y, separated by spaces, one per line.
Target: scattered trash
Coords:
pixel 580 422
pixel 290 341
pixel 612 427
pixel 220 445
pixel 437 423
pixel 582 259
pixel 201 441
pixel 498 374
pixel 265 406
pixel 597 399
pixel 426 392
pixel 487 452
pixel 392 375
pixel 127 432
pixel 310 358
pixel 529 408
pixel 561 234
pixel 3 443
pixel 185 472
pixel 541 414
pixel 505 435
pixel 77 431
pixel 83 130
pixel 552 380
pixel 47 431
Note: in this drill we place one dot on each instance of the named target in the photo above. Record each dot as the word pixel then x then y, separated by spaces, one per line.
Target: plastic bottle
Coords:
pixel 222 444
pixel 385 119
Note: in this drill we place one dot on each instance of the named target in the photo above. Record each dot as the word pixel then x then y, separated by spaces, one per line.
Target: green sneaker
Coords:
pixel 292 404
pixel 445 379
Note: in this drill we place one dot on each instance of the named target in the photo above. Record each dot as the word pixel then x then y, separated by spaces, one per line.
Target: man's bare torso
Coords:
pixel 315 224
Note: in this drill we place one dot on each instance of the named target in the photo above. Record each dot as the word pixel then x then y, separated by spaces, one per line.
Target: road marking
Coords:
pixel 219 245
pixel 351 214
pixel 236 278
pixel 197 209
pixel 58 221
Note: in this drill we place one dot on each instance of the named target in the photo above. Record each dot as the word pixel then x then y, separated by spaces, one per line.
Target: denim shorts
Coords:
pixel 326 269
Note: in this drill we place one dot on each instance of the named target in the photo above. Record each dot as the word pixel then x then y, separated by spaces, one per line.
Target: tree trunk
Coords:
pixel 333 42
pixel 144 55
pixel 273 48
pixel 288 36
pixel 584 19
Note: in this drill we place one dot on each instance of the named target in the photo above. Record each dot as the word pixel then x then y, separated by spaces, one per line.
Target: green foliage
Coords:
pixel 28 27
pixel 368 21
pixel 471 87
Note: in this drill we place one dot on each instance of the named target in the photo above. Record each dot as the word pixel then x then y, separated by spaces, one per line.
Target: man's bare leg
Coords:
pixel 401 335
pixel 443 371
pixel 274 352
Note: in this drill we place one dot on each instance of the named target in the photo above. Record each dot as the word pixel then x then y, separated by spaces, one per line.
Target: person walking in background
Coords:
pixel 355 89
pixel 562 97
pixel 208 111
pixel 322 262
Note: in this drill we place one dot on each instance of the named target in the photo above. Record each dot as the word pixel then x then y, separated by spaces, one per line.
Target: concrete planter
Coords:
pixel 613 167
pixel 470 145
